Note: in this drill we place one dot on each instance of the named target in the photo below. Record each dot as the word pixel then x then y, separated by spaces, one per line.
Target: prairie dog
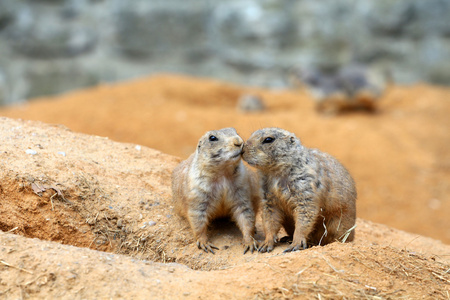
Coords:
pixel 306 191
pixel 213 183
pixel 352 87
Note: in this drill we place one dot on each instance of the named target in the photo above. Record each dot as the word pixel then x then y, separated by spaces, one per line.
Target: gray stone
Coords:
pixel 60 76
pixel 3 94
pixel 390 18
pixel 7 12
pixel 51 46
pixel 249 103
pixel 150 30
pixel 50 37
pixel 247 35
pixel 430 18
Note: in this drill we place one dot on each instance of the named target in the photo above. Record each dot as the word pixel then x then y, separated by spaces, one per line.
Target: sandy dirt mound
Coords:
pixel 88 191
pixel 398 156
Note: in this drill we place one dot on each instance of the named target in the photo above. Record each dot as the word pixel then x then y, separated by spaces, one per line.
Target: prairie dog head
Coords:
pixel 270 148
pixel 219 147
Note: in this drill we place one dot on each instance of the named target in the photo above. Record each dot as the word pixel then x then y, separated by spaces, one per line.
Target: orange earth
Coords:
pixel 90 192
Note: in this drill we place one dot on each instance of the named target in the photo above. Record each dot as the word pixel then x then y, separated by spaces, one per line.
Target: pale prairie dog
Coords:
pixel 306 191
pixel 213 183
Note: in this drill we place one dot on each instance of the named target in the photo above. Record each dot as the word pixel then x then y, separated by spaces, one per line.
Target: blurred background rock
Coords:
pixel 51 46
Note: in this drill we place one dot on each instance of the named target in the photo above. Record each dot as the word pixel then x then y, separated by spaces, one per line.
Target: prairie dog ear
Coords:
pixel 199 144
pixel 294 141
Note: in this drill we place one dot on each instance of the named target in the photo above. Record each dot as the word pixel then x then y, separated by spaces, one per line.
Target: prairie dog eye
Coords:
pixel 268 140
pixel 213 138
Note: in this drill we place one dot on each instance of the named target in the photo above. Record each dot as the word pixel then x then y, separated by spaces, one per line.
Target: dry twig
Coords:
pixel 11 230
pixel 14 267
pixel 51 200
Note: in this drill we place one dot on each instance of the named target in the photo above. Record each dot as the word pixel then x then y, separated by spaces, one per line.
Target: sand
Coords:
pixel 89 215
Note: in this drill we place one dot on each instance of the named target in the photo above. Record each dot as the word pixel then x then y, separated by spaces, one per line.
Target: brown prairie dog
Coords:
pixel 352 87
pixel 212 183
pixel 306 191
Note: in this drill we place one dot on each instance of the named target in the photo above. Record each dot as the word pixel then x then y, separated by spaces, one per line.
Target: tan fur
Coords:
pixel 304 190
pixel 212 183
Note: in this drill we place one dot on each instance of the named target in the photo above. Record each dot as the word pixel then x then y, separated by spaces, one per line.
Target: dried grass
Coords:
pixel 15 267
pixel 343 238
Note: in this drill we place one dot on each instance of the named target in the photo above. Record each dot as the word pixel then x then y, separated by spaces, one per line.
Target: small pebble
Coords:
pixel 30 151
pixel 119 223
pixel 434 204
pixel 250 103
pixel 149 223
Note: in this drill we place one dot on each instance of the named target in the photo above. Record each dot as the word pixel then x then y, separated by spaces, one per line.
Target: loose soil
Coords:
pixel 83 216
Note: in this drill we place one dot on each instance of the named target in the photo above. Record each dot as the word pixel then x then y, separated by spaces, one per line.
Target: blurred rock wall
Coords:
pixel 51 46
